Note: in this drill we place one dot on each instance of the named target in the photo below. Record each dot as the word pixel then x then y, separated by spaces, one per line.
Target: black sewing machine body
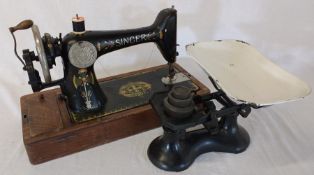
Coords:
pixel 79 51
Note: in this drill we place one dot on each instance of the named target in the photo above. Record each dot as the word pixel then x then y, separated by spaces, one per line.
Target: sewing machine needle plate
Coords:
pixel 246 75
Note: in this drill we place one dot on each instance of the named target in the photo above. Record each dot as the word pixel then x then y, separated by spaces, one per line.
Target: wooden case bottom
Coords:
pixel 48 132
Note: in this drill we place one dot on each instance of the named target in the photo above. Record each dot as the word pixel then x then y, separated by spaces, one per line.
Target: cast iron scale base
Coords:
pixel 176 149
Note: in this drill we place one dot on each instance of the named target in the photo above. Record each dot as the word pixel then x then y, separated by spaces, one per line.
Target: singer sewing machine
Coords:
pixel 79 51
pixel 86 112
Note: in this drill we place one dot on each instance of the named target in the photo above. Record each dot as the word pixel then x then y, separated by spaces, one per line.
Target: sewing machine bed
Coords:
pixel 128 92
pixel 48 132
pixel 246 75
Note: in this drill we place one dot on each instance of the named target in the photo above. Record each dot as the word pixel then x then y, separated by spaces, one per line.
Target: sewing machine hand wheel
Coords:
pixel 26 24
pixel 41 53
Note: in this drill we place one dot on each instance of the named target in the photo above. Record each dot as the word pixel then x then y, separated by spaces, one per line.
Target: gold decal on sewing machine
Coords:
pixel 84 82
pixel 161 35
pixel 135 89
pixel 82 77
pixel 119 42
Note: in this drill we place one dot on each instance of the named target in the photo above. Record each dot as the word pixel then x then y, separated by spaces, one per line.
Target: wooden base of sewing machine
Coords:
pixel 48 132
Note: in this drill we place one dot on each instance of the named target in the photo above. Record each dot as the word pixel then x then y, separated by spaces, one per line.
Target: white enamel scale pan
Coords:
pixel 246 75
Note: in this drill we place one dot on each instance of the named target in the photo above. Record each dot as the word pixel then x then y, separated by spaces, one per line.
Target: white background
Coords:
pixel 282 136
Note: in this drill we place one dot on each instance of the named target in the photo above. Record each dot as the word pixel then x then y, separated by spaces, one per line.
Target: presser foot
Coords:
pixel 174 77
pixel 176 151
